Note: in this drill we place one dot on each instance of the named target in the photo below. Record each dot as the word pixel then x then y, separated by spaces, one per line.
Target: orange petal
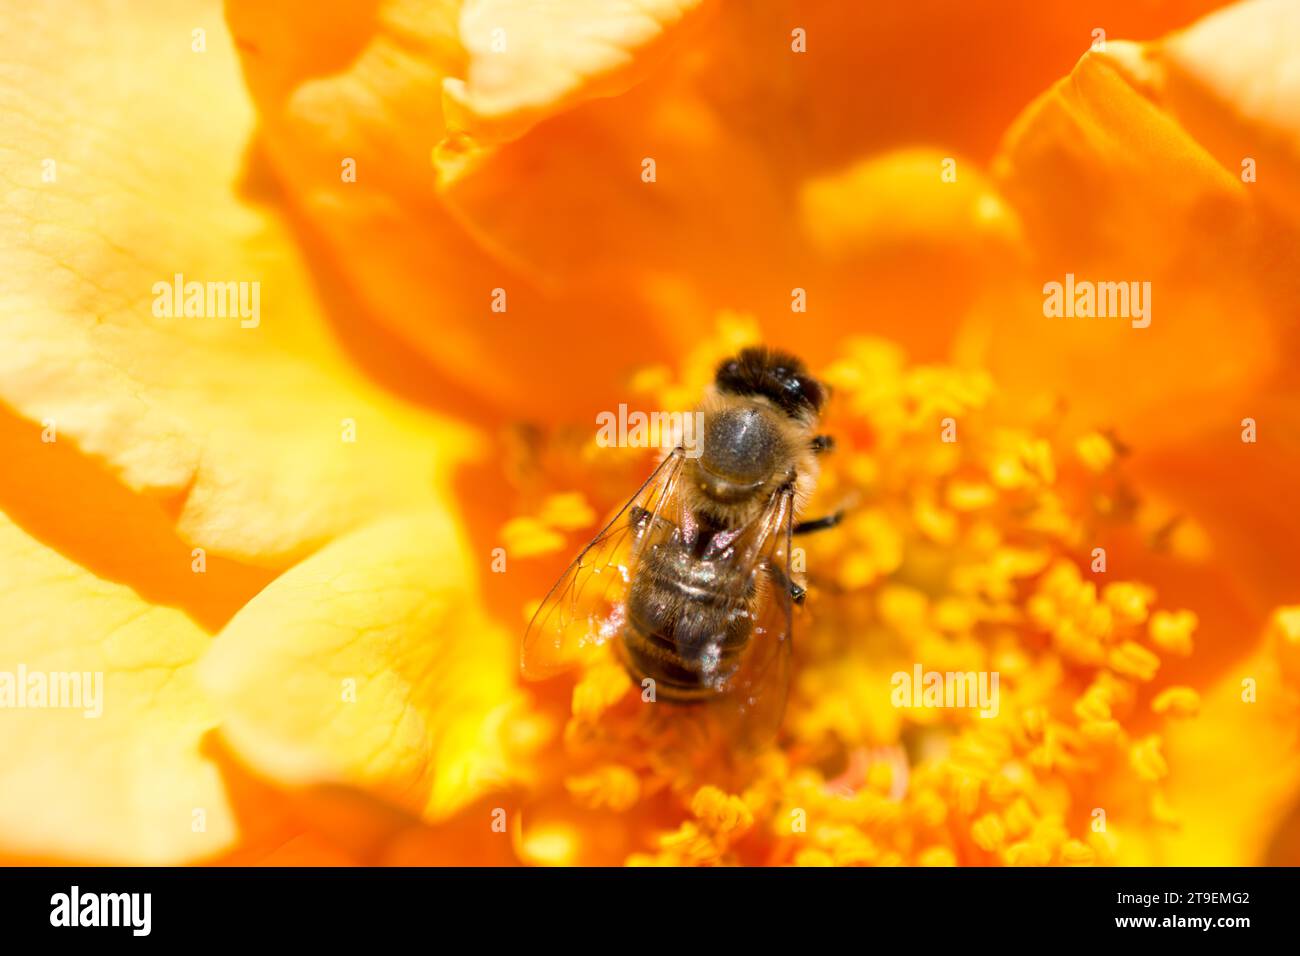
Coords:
pixel 528 61
pixel 361 93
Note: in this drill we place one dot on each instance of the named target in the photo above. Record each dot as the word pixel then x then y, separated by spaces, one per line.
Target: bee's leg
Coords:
pixel 797 591
pixel 823 443
pixel 818 524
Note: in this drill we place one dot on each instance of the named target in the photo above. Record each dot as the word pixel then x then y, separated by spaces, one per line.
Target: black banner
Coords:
pixel 330 905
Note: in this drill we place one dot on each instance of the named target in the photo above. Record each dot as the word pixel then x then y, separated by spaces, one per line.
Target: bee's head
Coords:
pixel 777 376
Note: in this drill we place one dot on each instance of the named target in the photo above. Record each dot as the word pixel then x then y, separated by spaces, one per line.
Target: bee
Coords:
pixel 692 577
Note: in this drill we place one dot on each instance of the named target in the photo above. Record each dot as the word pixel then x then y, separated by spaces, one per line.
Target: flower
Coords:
pixel 974 556
pixel 299 548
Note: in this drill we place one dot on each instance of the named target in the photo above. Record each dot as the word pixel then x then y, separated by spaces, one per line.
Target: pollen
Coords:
pixel 1078 853
pixel 567 512
pixel 1095 451
pixel 936 856
pixel 553 844
pixel 529 538
pixel 1177 702
pixel 1130 602
pixel 613 786
pixel 1172 631
pixel 721 812
pixel 1133 660
pixel 1147 759
pixel 988 832
pixel 600 688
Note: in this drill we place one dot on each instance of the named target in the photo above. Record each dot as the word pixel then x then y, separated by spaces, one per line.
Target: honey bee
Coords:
pixel 692 577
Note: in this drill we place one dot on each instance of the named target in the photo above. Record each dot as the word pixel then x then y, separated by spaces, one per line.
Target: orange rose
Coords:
pixel 281 287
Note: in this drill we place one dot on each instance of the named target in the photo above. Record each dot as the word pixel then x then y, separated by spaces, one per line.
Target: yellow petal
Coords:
pixel 1234 773
pixel 124 777
pixel 237 426
pixel 370 665
pixel 530 60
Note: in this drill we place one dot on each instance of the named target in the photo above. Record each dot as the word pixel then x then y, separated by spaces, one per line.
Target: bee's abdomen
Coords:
pixel 688 621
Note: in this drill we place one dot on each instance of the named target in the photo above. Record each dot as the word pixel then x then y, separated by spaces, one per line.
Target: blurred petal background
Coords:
pixel 277 543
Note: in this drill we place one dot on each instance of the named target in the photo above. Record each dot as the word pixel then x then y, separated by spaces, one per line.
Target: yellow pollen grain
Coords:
pixel 1028 853
pixel 813 857
pixel 1007 473
pixel 1286 624
pixel 880 777
pixel 1000 788
pixel 1078 853
pixel 1094 705
pixel 527 732
pixel 1038 459
pixel 690 846
pixel 856 571
pixel 549 845
pixel 1095 451
pixel 931 810
pixel 954 615
pixel 935 523
pixel 567 512
pixel 1163 811
pixel 720 811
pixel 1100 731
pixel 1035 721
pixel 881 540
pixel 968 795
pixel 1133 660
pixel 966 496
pixel 613 786
pixel 863 470
pixel 853 848
pixel 936 856
pixel 1129 601
pixel 903 608
pixel 1171 631
pixel 988 832
pixel 528 537
pixel 1019 817
pixel 1177 702
pixel 1146 758
pixel 651 379
pixel 602 686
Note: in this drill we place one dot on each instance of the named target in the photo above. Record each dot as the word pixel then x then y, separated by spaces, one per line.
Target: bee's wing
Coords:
pixel 584 608
pixel 753 701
